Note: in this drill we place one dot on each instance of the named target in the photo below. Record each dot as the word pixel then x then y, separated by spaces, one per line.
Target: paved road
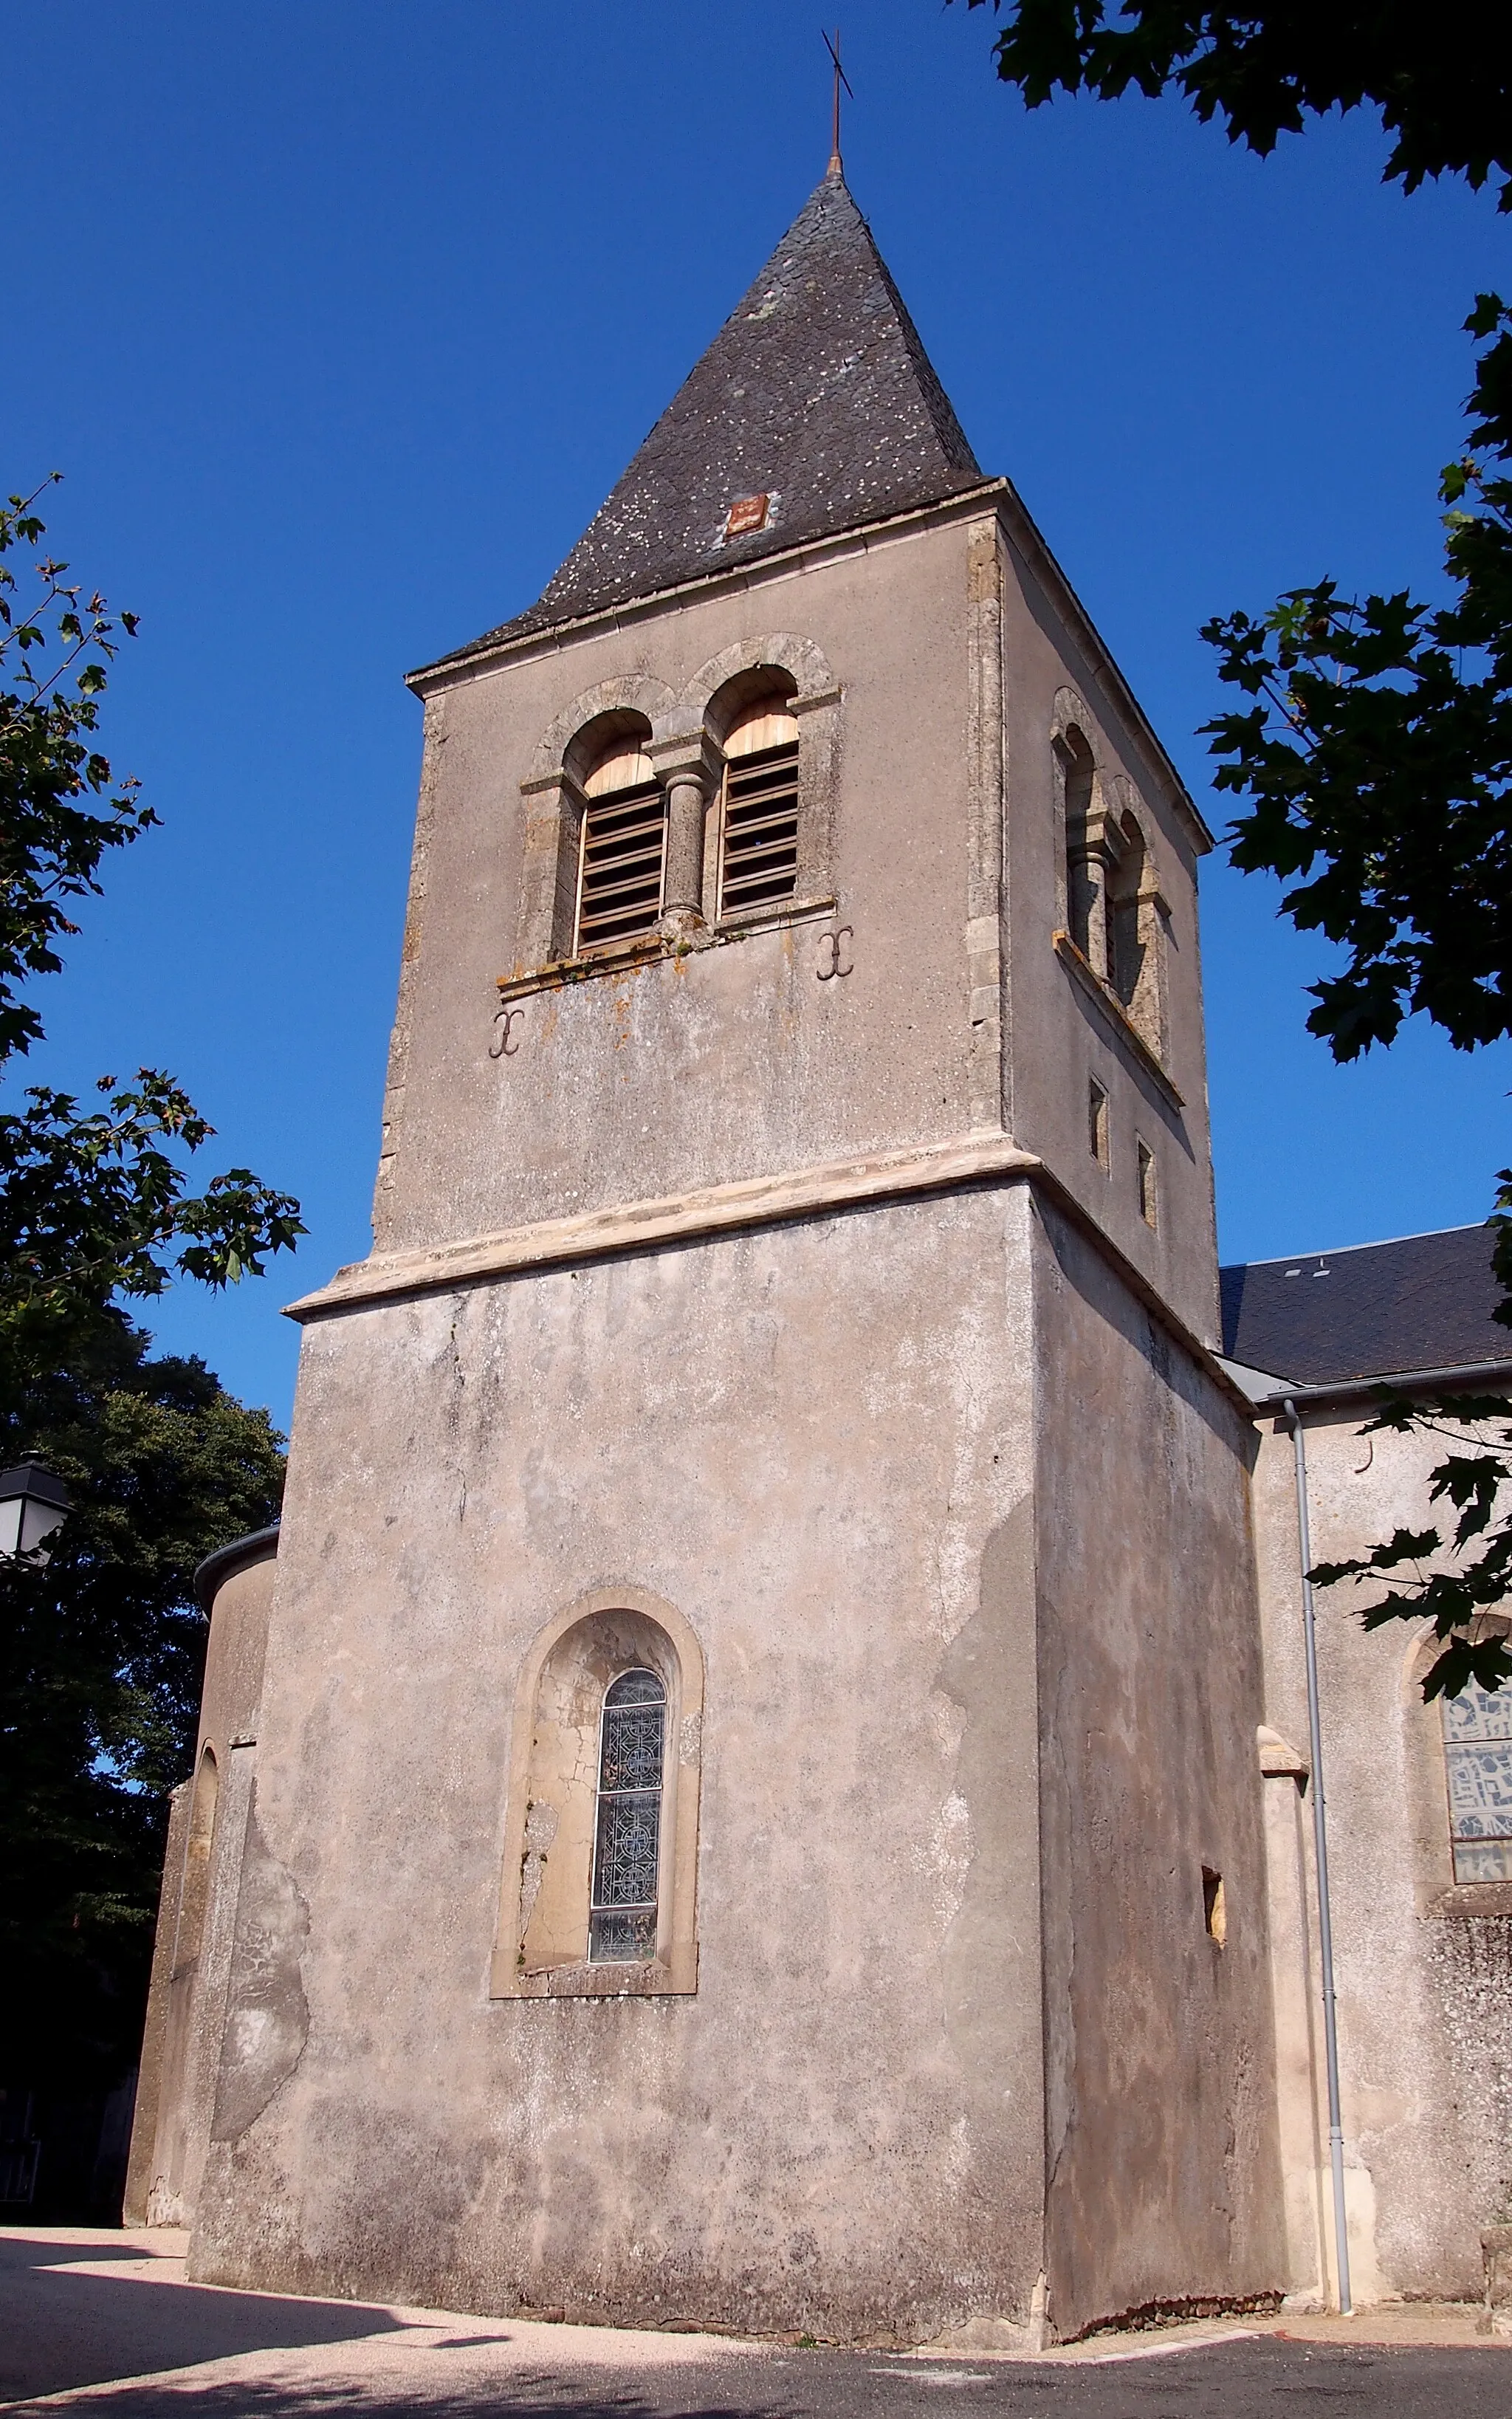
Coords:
pixel 99 2327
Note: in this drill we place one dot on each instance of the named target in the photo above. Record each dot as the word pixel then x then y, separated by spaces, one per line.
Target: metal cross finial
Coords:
pixel 840 78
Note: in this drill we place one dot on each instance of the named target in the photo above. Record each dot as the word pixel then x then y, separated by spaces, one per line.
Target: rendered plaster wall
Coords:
pixel 196 1913
pixel 1164 2176
pixel 731 1062
pixel 149 2112
pixel 235 1653
pixel 1423 1970
pixel 1061 1036
pixel 813 1441
pixel 951 659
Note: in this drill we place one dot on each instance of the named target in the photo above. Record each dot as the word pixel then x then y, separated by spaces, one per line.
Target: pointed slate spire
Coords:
pixel 816 393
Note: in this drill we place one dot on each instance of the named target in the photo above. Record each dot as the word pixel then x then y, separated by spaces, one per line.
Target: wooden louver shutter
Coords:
pixel 759 822
pixel 622 852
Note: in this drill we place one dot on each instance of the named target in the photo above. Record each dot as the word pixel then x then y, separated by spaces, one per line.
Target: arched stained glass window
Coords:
pixel 1477 1750
pixel 628 1836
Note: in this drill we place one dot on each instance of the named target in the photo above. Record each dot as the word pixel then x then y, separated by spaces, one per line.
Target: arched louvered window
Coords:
pixel 759 809
pixel 622 852
pixel 1122 896
pixel 1083 904
pixel 628 1834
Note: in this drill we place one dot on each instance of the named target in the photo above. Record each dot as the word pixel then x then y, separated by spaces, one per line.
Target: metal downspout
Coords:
pixel 1325 1922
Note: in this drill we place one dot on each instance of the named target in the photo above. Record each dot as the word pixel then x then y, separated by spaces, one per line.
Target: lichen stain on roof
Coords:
pixel 816 392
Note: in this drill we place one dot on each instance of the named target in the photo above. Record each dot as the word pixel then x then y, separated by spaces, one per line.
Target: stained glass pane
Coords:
pixel 632 1747
pixel 1478 1713
pixel 1483 1860
pixel 635 1689
pixel 1477 1747
pixel 623 1937
pixel 626 1871
pixel 627 1841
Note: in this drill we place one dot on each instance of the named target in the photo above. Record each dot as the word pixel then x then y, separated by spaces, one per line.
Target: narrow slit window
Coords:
pixel 759 810
pixel 622 852
pixel 1096 1122
pixel 1214 1906
pixel 1477 1754
pixel 1149 1207
pixel 621 1926
pixel 1126 949
pixel 1083 904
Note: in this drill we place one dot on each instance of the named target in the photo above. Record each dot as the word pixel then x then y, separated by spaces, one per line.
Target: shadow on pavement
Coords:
pixel 107 2335
pixel 1255 2380
pixel 409 2397
pixel 59 2330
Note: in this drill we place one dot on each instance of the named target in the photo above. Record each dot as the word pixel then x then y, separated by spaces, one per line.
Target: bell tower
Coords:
pixel 763 1665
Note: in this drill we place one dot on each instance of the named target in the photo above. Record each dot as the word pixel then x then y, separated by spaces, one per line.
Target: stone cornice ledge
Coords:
pixel 716 1209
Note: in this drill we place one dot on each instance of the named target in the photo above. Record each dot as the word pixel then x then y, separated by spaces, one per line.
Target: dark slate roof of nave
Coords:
pixel 816 392
pixel 1321 1319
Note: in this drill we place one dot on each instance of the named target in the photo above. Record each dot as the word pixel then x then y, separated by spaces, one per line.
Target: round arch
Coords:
pixel 782 652
pixel 541 1947
pixel 609 705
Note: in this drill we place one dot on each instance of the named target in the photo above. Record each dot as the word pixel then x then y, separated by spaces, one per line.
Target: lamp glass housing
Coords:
pixel 31 1505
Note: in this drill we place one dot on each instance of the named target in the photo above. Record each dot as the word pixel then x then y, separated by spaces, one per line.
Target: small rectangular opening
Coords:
pixel 1096 1122
pixel 1214 1915
pixel 1148 1207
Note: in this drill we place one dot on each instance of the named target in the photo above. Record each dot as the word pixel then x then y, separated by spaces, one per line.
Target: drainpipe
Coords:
pixel 1325 1922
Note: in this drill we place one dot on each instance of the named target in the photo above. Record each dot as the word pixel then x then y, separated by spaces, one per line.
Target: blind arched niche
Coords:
pixel 546 1920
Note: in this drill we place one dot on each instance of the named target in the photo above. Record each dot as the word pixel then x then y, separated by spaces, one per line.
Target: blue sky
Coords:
pixel 342 320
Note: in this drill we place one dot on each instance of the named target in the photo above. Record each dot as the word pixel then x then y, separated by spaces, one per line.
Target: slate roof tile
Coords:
pixel 816 392
pixel 1321 1319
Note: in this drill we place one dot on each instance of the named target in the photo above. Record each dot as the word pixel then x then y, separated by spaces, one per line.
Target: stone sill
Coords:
pixel 1473 1898
pixel 642 1981
pixel 627 957
pixel 1118 1015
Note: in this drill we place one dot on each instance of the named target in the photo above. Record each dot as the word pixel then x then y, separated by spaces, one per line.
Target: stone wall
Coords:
pixel 1424 2035
pixel 1164 2180
pixel 197 1909
pixel 951 652
pixel 847 1448
pixel 813 1441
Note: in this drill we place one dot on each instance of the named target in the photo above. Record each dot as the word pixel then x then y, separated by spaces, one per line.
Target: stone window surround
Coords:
pixel 681 733
pixel 1115 800
pixel 673 1970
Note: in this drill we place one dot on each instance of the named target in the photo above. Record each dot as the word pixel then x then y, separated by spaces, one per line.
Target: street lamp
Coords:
pixel 32 1505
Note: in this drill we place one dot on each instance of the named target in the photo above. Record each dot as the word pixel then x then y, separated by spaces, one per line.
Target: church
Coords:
pixel 766 1778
